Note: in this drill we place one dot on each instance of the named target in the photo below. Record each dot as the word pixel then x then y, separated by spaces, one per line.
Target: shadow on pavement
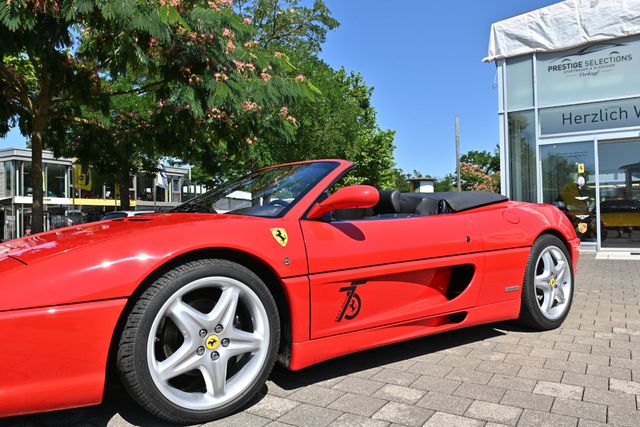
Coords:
pixel 118 409
pixel 384 355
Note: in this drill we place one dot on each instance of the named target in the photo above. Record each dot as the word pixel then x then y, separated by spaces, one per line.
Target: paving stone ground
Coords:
pixel 586 373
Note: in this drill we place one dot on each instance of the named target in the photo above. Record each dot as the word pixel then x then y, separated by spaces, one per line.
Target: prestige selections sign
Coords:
pixel 597 71
pixel 586 117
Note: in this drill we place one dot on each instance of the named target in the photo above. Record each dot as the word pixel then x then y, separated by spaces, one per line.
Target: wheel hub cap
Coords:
pixel 212 342
pixel 553 282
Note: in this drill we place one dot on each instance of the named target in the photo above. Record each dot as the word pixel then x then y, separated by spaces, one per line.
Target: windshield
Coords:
pixel 266 193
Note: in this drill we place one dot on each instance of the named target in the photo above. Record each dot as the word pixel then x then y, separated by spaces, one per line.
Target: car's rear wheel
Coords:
pixel 547 292
pixel 199 342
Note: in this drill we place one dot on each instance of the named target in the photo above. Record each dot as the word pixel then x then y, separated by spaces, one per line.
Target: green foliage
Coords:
pixel 121 83
pixel 487 162
pixel 286 25
pixel 446 183
pixel 473 178
pixel 338 123
pixel 400 180
pixel 129 81
pixel 480 170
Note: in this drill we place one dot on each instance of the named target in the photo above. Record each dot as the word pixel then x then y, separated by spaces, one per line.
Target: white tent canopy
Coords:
pixel 564 25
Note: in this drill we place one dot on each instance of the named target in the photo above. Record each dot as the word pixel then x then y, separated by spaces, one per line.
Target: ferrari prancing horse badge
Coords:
pixel 280 234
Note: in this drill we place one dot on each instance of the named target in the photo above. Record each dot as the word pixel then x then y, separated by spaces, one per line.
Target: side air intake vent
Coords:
pixel 461 276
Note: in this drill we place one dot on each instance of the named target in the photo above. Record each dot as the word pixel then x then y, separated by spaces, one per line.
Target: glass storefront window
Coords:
pixel 144 187
pixel 522 157
pixel 8 224
pixel 9 179
pixel 161 194
pixel 56 180
pixel 520 83
pixel 174 183
pixel 620 194
pixel 27 184
pixel 569 182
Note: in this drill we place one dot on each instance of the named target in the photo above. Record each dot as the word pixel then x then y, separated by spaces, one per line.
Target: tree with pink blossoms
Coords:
pixel 116 82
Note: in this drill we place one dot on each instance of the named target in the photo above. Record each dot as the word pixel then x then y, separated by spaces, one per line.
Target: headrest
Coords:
pixel 427 207
pixel 389 201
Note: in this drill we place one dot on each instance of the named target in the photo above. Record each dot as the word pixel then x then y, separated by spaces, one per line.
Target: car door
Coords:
pixel 372 272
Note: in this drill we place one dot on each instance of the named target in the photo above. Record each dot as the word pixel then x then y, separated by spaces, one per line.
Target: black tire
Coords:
pixel 132 360
pixel 530 311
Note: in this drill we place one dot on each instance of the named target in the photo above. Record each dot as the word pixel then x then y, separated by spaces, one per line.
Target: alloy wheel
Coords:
pixel 553 282
pixel 208 343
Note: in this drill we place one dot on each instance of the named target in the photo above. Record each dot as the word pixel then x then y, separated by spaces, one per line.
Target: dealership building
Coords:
pixel 569 114
pixel 74 195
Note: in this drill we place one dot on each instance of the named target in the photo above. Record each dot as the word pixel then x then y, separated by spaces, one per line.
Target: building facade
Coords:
pixel 74 196
pixel 569 115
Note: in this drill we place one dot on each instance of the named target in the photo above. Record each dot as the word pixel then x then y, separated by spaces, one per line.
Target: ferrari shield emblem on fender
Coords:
pixel 582 227
pixel 280 234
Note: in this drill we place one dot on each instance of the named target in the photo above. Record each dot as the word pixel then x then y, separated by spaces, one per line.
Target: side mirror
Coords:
pixel 352 197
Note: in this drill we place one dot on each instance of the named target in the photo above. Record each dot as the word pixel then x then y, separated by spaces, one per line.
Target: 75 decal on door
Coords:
pixel 352 303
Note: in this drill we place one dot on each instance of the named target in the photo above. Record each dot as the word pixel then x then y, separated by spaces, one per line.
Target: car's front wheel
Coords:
pixel 199 342
pixel 547 292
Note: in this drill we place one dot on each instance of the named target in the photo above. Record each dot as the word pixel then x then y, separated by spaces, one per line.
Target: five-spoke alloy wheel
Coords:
pixel 553 282
pixel 548 287
pixel 200 341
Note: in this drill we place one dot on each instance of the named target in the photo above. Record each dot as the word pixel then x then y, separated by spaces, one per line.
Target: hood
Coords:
pixel 39 246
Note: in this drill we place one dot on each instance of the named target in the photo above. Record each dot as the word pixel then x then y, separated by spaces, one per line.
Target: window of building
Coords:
pixel 9 223
pixel 27 182
pixel 522 156
pixel 9 179
pixel 520 83
pixel 620 193
pixel 56 180
pixel 144 187
pixel 161 194
pixel 174 183
pixel 569 182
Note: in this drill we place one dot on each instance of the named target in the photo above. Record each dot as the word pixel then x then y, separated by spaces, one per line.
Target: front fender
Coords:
pixel 114 268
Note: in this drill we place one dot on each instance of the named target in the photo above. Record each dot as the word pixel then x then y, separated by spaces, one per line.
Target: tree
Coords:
pixel 341 122
pixel 487 162
pixel 480 170
pixel 474 179
pixel 286 25
pixel 65 62
pixel 118 144
pixel 42 80
pixel 446 183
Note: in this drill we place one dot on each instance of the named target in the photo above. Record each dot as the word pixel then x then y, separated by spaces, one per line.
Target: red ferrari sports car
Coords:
pixel 193 307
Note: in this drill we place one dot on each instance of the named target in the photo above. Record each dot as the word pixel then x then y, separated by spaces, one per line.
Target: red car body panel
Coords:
pixel 55 357
pixel 317 350
pixel 63 292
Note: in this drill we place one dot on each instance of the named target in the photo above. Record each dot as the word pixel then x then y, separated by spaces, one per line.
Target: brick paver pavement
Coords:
pixel 584 374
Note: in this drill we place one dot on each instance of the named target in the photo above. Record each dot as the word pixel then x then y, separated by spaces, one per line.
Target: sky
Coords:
pixel 424 59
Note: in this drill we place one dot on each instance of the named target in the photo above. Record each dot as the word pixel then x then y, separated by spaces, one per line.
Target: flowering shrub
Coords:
pixel 474 179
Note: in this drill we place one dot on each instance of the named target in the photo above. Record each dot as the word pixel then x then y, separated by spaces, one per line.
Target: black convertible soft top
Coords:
pixel 462 200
